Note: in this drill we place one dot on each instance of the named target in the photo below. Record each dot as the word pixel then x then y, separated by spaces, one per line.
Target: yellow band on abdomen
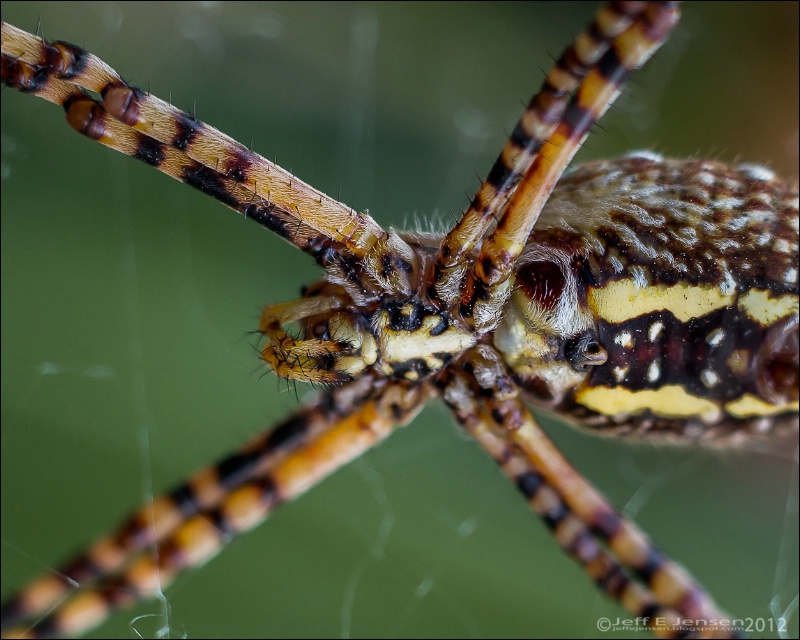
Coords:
pixel 624 300
pixel 670 401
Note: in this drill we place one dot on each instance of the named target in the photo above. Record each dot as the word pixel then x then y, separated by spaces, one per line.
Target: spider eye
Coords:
pixel 542 281
pixel 584 351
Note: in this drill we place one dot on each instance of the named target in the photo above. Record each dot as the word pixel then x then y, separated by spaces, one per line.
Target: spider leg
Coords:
pixel 490 408
pixel 552 129
pixel 572 533
pixel 91 119
pixel 598 90
pixel 189 525
pixel 540 119
pixel 171 127
pixel 209 160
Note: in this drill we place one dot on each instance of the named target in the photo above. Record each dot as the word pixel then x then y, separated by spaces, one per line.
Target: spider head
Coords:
pixel 547 335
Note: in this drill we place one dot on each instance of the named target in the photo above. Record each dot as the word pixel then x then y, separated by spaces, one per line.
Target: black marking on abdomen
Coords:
pixel 682 352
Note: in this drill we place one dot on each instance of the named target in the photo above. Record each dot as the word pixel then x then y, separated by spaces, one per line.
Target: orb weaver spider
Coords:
pixel 79 370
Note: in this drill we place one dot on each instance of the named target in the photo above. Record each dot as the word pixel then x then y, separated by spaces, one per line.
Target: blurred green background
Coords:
pixel 127 302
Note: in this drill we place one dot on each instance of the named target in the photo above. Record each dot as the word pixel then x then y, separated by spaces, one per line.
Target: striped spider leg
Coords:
pixel 277 298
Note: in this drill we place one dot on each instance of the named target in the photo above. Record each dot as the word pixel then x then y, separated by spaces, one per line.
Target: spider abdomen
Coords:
pixel 687 272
